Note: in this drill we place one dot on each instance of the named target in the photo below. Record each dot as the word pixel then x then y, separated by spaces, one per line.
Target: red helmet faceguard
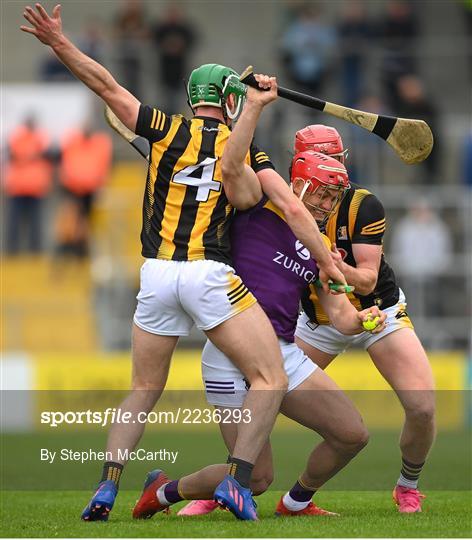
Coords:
pixel 323 175
pixel 320 138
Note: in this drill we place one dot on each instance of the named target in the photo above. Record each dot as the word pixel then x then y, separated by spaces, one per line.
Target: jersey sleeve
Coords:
pixel 153 124
pixel 259 160
pixel 370 222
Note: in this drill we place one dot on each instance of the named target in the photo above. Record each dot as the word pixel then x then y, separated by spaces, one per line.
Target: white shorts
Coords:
pixel 326 338
pixel 226 386
pixel 175 295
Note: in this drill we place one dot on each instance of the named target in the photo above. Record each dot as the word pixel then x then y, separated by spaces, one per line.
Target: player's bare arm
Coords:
pixel 242 186
pixel 235 171
pixel 365 274
pixel 346 319
pixel 48 29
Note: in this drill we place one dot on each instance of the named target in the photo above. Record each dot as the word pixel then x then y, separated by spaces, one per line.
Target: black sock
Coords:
pixel 241 471
pixel 112 471
pixel 171 492
pixel 410 473
pixel 301 493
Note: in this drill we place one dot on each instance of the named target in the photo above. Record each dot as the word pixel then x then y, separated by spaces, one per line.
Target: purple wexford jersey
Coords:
pixel 272 263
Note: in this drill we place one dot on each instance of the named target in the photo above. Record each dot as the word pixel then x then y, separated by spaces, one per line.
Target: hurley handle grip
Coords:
pixel 247 77
pixel 338 287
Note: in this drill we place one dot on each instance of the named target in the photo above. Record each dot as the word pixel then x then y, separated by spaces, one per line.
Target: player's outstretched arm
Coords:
pixel 49 31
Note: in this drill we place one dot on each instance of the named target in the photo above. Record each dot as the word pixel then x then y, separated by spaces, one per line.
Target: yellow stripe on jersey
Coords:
pixel 377 230
pixel 271 206
pixel 158 120
pixel 261 157
pixel 357 198
pixel 154 114
pixel 162 122
pixel 176 194
pixel 374 228
pixel 376 224
pixel 196 249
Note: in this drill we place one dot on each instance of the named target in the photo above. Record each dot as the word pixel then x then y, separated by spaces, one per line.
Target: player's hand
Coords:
pixel 332 273
pixel 47 29
pixel 370 314
pixel 269 84
pixel 336 256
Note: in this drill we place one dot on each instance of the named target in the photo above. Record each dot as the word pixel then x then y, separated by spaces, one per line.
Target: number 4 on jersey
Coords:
pixel 201 176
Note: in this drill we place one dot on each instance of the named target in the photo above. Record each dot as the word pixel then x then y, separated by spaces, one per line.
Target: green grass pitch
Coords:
pixel 40 500
pixel 363 514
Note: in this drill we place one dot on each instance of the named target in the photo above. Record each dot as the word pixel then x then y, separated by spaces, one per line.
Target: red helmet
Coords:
pixel 320 174
pixel 320 138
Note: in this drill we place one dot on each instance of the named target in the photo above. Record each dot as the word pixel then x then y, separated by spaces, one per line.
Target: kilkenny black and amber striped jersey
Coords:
pixel 186 214
pixel 359 219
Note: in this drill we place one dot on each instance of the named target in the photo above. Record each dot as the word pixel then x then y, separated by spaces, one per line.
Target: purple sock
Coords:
pixel 300 493
pixel 171 493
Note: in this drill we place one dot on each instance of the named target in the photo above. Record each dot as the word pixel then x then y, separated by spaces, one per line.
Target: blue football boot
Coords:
pixel 101 503
pixel 238 500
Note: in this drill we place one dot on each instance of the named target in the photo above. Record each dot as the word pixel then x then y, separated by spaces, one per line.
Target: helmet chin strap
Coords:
pixel 235 114
pixel 306 185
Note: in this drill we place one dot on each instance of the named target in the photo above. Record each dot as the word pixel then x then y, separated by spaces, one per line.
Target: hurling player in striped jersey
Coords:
pixel 356 231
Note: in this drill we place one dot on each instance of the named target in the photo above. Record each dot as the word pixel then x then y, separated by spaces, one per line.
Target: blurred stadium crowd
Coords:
pixel 71 209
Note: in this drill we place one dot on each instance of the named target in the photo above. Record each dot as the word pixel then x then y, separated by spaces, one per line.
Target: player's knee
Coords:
pixel 145 394
pixel 422 414
pixel 353 440
pixel 261 483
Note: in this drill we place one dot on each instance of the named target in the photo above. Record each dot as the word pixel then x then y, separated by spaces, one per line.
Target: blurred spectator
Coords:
pixel 28 180
pixel 85 166
pixel 354 32
pixel 51 69
pixel 421 251
pixel 308 45
pixel 131 31
pixel 398 31
pixel 413 103
pixel 173 37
